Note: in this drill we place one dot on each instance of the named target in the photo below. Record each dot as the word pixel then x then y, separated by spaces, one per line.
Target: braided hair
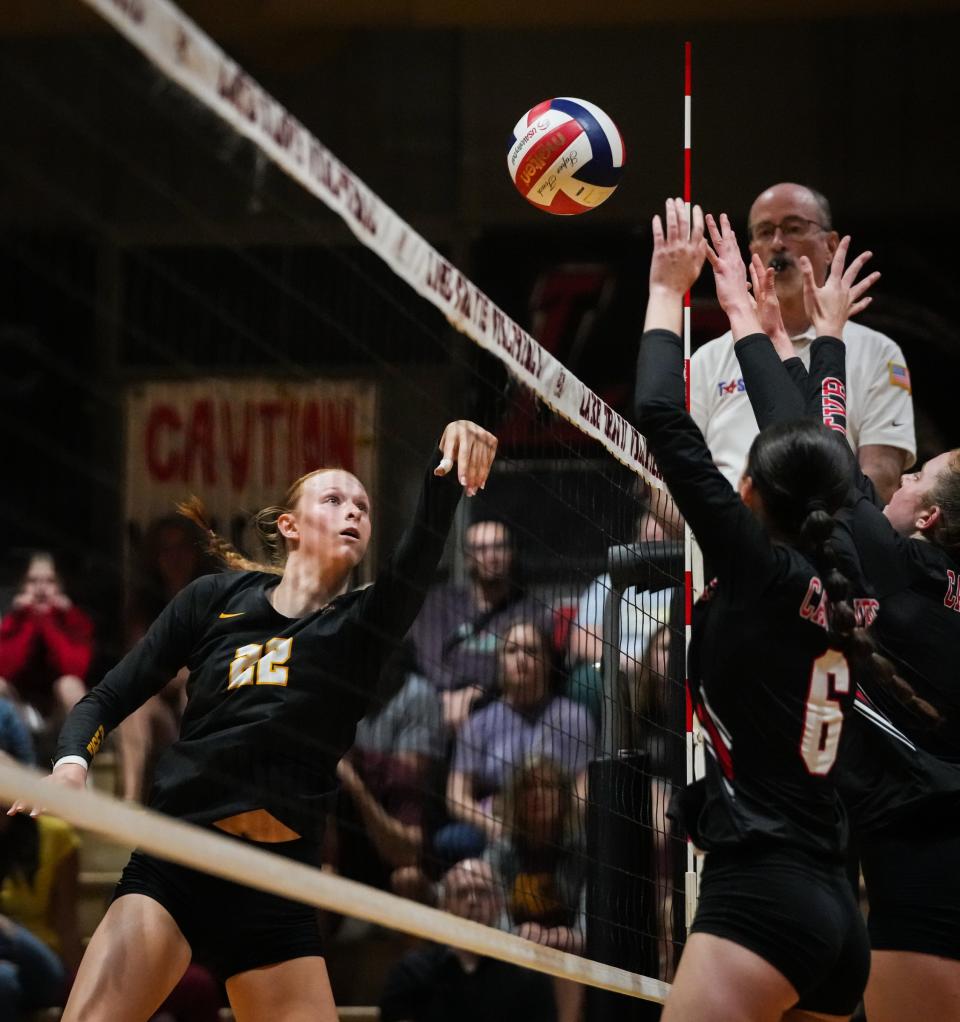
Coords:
pixel 801 470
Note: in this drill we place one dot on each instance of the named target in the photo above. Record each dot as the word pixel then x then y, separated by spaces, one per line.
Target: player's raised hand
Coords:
pixel 69 775
pixel 730 276
pixel 678 253
pixel 679 248
pixel 842 296
pixel 472 449
pixel 763 280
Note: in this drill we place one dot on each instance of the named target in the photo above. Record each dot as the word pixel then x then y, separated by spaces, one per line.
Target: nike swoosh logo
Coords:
pixel 895 423
pixel 239 613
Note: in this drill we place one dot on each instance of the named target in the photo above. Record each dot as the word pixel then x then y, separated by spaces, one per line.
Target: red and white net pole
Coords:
pixel 690 886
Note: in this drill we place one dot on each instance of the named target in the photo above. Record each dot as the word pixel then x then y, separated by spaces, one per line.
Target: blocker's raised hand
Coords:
pixel 679 248
pixel 472 449
pixel 842 296
pixel 763 280
pixel 730 276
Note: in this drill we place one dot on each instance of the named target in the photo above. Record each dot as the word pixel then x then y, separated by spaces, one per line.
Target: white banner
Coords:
pixel 239 443
pixel 164 34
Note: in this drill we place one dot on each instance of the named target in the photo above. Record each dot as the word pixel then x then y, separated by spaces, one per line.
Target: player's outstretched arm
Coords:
pixel 679 250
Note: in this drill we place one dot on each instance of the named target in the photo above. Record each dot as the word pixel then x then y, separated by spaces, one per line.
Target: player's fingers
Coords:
pixel 487 450
pixel 713 231
pixel 840 256
pixel 697 231
pixel 853 270
pixel 770 281
pixel 448 449
pixel 754 280
pixel 863 286
pixel 712 258
pixel 472 468
pixel 809 281
pixel 729 234
pixel 657 227
pixel 672 228
pixel 861 305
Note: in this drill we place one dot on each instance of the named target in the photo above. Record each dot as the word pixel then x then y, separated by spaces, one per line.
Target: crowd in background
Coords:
pixel 475 750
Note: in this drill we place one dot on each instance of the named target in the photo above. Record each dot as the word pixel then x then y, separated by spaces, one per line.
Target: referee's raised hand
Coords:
pixel 472 449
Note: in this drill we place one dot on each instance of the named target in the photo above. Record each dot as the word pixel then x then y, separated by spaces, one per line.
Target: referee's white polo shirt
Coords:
pixel 879 405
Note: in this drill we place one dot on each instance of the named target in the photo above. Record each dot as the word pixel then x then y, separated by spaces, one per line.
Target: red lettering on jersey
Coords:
pixel 833 401
pixel 952 599
pixel 866 611
pixel 814 606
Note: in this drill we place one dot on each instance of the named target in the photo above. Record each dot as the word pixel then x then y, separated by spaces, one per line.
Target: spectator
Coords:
pixel 46 644
pixel 528 719
pixel 457 633
pixel 440 984
pixel 171 554
pixel 39 939
pixel 641 614
pixel 538 863
pixel 788 221
pixel 15 738
pixel 389 779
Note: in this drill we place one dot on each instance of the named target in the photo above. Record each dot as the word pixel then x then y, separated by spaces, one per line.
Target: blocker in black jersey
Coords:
pixel 770 695
pixel 899 777
pixel 896 770
pixel 272 702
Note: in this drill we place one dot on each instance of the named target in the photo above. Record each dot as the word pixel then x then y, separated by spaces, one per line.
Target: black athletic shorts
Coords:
pixel 230 928
pixel 913 886
pixel 797 913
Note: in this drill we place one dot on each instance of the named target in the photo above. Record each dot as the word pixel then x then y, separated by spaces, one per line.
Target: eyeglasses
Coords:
pixel 792 227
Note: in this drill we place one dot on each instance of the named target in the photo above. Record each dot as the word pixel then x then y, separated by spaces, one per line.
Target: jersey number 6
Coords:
pixel 823 715
pixel 252 666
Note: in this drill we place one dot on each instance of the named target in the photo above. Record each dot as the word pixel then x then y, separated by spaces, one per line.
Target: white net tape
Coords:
pixel 204 850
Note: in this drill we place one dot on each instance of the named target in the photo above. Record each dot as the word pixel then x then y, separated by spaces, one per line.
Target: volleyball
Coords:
pixel 565 156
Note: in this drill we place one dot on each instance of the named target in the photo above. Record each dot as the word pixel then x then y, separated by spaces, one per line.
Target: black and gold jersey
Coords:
pixel 771 697
pixel 272 702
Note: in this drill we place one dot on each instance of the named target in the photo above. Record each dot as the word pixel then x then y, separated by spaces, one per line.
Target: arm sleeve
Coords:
pixel 143 672
pixel 727 531
pixel 826 400
pixel 773 394
pixel 392 603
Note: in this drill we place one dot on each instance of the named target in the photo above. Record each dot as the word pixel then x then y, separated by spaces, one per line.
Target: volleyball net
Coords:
pixel 205 300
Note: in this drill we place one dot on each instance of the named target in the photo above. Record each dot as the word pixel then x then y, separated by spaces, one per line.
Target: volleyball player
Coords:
pixel 777 934
pixel 898 775
pixel 280 672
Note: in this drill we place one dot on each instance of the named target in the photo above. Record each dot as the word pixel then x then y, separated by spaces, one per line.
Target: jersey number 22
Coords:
pixel 252 666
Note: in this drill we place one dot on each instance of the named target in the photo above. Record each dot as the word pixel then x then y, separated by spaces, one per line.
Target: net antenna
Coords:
pixel 693 739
